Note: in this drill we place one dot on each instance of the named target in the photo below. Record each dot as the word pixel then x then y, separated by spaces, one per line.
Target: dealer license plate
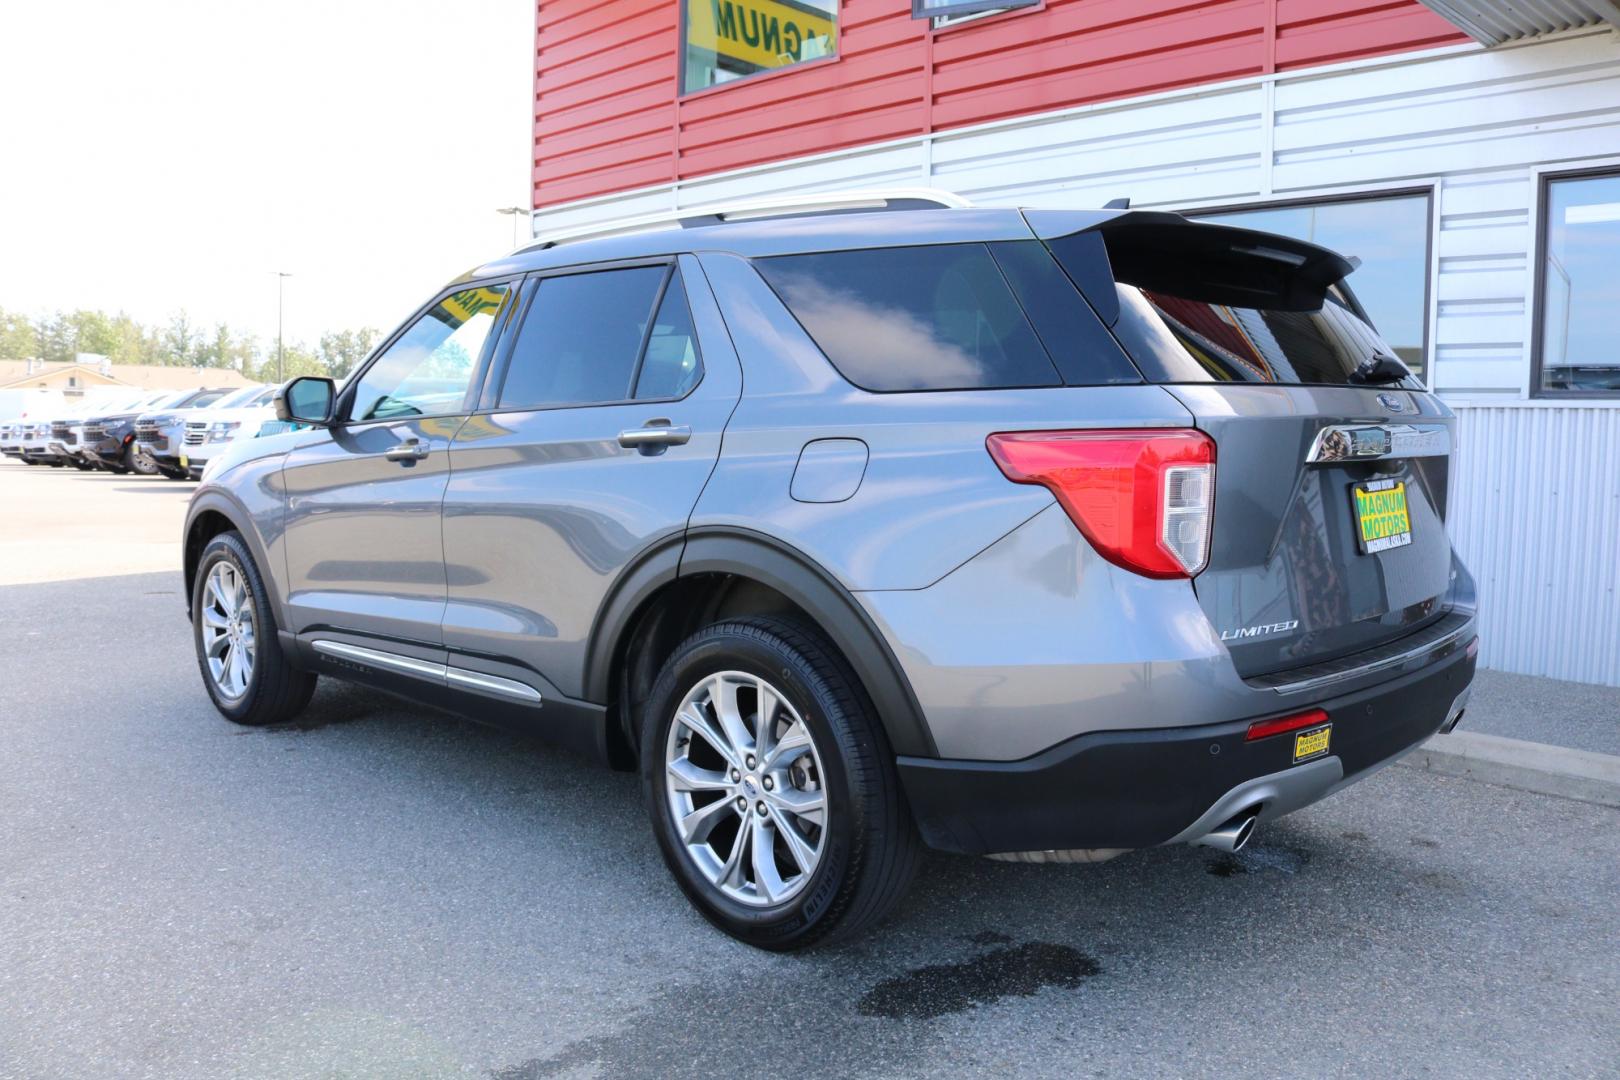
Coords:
pixel 1312 743
pixel 1382 519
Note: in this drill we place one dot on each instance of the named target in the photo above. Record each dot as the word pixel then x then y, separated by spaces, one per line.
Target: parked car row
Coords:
pixel 167 433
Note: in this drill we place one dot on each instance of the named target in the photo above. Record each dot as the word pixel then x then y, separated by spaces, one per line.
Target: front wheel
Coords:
pixel 772 788
pixel 139 464
pixel 234 629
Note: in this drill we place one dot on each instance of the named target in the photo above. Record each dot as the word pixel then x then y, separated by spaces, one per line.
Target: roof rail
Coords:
pixel 918 198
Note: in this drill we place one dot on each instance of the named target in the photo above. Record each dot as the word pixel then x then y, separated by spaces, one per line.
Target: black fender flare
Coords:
pixel 762 558
pixel 216 501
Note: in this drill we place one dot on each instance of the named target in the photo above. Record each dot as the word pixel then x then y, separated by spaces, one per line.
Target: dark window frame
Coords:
pixel 1538 251
pixel 495 382
pixel 968 7
pixel 1427 191
pixel 683 92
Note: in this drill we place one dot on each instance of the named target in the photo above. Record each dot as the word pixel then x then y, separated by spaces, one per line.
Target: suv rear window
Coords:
pixel 1207 303
pixel 936 317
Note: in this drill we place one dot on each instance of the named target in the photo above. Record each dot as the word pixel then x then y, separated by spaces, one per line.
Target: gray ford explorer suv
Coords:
pixel 869 526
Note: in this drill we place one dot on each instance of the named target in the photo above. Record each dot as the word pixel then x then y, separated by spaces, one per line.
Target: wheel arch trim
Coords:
pixel 224 505
pixel 758 557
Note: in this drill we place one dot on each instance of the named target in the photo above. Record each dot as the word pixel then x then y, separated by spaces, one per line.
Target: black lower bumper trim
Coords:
pixel 1132 789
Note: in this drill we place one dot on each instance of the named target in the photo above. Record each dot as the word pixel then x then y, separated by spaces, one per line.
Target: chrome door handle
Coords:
pixel 655 436
pixel 409 450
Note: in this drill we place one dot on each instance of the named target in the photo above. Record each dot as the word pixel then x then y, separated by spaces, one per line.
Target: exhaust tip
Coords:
pixel 1234 834
pixel 1451 725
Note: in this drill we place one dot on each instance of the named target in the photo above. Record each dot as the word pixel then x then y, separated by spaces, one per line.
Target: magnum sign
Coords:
pixel 760 33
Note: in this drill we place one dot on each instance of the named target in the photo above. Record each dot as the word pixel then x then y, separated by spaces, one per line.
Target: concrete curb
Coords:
pixel 1527 766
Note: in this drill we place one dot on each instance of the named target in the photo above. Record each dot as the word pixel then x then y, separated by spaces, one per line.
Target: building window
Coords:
pixel 1390 234
pixel 728 40
pixel 949 12
pixel 1580 262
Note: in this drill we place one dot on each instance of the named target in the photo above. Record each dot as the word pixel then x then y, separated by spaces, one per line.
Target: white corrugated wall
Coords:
pixel 1536 489
pixel 1536 516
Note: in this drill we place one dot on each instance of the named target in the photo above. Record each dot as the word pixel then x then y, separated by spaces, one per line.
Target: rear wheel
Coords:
pixel 234 629
pixel 771 787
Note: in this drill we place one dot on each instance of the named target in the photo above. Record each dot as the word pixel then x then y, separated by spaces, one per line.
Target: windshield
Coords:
pixel 1195 341
pixel 248 395
pixel 1212 303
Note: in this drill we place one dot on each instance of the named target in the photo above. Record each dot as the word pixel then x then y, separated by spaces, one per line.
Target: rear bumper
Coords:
pixel 1132 789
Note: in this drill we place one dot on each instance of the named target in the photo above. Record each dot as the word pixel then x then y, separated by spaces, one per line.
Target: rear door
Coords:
pixel 1331 477
pixel 364 553
pixel 603 424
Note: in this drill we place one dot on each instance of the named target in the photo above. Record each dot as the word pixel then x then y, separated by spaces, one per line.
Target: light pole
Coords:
pixel 513 212
pixel 281 363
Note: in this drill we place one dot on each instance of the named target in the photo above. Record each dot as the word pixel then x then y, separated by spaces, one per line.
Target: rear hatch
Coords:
pixel 1331 466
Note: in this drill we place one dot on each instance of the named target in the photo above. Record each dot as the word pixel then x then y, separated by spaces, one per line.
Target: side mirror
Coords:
pixel 306 400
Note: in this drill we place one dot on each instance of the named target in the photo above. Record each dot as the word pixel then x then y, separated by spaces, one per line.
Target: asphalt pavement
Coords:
pixel 385 891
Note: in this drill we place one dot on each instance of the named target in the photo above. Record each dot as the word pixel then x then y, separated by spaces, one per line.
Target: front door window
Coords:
pixel 427 370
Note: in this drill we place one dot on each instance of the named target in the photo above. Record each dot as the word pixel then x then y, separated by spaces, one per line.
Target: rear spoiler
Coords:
pixel 1218 263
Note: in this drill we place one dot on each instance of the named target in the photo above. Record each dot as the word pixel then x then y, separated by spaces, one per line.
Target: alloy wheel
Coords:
pixel 228 633
pixel 745 791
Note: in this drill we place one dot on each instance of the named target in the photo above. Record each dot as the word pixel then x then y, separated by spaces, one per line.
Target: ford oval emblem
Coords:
pixel 1391 402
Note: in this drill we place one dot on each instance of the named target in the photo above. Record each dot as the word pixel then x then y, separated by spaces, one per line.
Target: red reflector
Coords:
pixel 1265 729
pixel 1143 497
pixel 1473 648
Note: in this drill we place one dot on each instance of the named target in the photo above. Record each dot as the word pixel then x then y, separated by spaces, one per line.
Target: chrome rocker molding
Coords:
pixel 510 689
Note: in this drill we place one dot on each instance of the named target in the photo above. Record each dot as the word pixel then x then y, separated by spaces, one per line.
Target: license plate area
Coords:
pixel 1312 743
pixel 1383 518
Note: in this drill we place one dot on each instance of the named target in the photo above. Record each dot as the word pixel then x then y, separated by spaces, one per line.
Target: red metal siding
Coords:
pixel 608 117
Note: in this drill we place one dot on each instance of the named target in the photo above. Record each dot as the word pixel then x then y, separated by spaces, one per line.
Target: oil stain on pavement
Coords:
pixel 1255 859
pixel 940 989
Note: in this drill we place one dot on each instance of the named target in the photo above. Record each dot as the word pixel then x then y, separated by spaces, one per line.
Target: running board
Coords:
pixel 461 678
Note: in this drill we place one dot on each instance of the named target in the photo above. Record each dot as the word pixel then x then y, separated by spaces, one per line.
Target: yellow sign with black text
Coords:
pixel 760 33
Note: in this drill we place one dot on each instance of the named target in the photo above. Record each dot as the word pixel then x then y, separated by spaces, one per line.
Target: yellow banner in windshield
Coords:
pixel 760 33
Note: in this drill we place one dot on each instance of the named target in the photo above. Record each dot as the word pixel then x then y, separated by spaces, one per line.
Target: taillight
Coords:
pixel 1265 729
pixel 1144 498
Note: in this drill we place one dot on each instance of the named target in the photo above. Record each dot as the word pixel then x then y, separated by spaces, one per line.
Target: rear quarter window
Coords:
pixel 935 317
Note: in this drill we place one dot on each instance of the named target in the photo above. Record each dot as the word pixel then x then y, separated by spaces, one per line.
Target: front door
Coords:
pixel 605 426
pixel 364 554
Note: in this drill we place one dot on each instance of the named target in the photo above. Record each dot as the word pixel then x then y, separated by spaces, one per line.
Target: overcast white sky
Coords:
pixel 173 154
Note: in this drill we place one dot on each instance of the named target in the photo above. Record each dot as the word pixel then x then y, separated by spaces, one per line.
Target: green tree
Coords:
pixel 17 341
pixel 343 350
pixel 180 343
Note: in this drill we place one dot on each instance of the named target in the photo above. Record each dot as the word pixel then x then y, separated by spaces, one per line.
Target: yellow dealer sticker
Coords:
pixel 1382 518
pixel 760 33
pixel 1312 743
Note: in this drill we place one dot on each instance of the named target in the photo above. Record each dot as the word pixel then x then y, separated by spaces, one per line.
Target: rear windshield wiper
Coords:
pixel 1378 369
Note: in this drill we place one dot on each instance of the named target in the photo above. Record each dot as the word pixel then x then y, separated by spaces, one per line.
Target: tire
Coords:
pixel 865 846
pixel 135 463
pixel 272 691
pixel 174 474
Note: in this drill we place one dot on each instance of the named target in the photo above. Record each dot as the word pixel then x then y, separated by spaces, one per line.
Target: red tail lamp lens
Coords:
pixel 1265 729
pixel 1143 497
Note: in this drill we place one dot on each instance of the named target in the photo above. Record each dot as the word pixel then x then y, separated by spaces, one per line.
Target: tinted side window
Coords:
pixel 938 317
pixel 425 372
pixel 671 366
pixel 1081 347
pixel 580 340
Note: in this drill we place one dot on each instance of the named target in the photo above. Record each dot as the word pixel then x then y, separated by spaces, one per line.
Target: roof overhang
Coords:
pixel 1491 22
